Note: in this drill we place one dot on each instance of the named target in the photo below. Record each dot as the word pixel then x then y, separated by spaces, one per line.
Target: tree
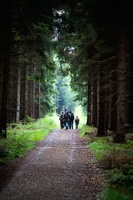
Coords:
pixel 6 50
pixel 101 124
pixel 120 132
pixel 89 104
pixel 18 95
pixel 18 29
pixel 109 32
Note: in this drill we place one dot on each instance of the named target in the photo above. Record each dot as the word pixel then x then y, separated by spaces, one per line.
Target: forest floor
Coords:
pixel 61 167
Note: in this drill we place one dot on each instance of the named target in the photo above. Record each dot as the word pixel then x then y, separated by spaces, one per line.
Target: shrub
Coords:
pixel 22 138
pixel 113 194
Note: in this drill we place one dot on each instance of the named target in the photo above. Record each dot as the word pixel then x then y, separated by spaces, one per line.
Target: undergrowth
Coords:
pixel 23 138
pixel 87 130
pixel 116 160
pixel 115 194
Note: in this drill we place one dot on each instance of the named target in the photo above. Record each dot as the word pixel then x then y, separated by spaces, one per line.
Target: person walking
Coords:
pixel 61 118
pixel 71 119
pixel 77 122
pixel 66 119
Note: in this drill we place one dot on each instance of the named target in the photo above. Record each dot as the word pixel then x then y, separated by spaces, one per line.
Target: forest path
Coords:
pixel 61 167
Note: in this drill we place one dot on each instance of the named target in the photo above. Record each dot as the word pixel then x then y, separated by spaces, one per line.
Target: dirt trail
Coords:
pixel 60 168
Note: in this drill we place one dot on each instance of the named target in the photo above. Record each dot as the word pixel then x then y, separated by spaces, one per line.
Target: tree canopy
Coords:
pixel 93 43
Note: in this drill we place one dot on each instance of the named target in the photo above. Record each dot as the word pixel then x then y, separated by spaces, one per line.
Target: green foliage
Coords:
pixel 111 155
pixel 100 148
pixel 87 130
pixel 65 95
pixel 118 159
pixel 24 137
pixel 121 178
pixel 113 194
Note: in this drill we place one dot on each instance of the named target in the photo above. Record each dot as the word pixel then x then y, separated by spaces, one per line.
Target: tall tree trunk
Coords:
pixel 6 67
pixel 101 125
pixel 94 102
pixel 26 95
pixel 18 94
pixel 5 87
pixel 130 82
pixel 89 105
pixel 98 98
pixel 107 110
pixel 113 123
pixel 121 84
pixel 33 96
pixel 39 104
pixel 120 132
pixel 1 79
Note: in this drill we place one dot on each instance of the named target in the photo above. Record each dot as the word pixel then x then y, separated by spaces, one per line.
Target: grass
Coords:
pixel 113 194
pixel 23 138
pixel 87 130
pixel 116 160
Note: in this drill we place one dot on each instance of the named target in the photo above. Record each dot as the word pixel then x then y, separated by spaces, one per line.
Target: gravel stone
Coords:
pixel 61 167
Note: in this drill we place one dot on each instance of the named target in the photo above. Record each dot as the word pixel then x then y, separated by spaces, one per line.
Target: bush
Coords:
pixel 87 130
pixel 113 194
pixel 23 138
pixel 117 159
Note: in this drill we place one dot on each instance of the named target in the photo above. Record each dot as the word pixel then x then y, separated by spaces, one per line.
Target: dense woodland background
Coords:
pixel 54 53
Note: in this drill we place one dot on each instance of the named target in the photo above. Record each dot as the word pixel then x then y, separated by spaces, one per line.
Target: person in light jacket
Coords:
pixel 77 122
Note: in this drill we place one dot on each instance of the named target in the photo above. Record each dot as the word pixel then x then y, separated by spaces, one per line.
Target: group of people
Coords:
pixel 67 119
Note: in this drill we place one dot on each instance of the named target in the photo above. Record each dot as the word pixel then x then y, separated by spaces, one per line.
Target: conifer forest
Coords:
pixel 54 54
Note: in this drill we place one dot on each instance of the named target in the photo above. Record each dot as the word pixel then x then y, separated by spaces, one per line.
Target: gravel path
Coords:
pixel 61 167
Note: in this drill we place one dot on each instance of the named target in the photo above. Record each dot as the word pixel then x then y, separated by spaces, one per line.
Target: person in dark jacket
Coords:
pixel 71 119
pixel 66 119
pixel 61 118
